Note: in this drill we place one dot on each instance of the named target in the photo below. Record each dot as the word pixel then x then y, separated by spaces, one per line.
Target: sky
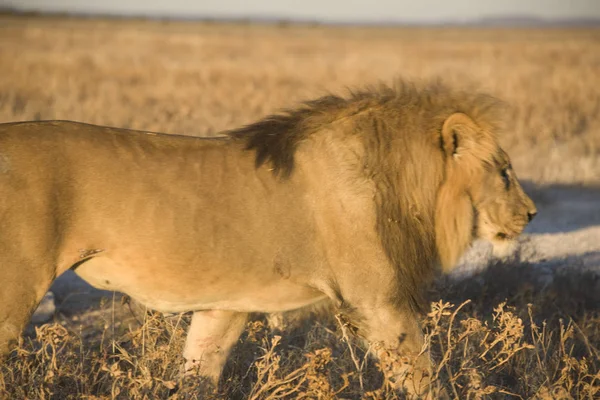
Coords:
pixel 412 11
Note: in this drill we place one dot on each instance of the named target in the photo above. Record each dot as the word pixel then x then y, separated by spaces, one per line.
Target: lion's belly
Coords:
pixel 181 291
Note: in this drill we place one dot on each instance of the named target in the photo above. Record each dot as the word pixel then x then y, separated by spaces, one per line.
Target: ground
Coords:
pixel 200 78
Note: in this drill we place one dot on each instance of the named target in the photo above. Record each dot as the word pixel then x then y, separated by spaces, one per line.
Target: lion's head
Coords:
pixel 480 186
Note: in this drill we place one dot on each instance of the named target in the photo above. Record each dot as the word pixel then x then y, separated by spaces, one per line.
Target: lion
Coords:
pixel 357 200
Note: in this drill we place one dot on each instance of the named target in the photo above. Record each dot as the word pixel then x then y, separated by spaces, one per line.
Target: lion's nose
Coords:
pixel 530 215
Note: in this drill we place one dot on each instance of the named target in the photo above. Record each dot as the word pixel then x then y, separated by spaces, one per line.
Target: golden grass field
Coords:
pixel 506 335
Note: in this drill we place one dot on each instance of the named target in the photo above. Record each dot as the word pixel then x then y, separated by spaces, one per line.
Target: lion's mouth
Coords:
pixel 504 236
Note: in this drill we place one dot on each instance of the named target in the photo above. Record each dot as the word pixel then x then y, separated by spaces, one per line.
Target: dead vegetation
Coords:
pixel 513 338
pixel 500 334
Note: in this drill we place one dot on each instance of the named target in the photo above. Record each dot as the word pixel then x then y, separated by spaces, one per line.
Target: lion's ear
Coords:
pixel 459 134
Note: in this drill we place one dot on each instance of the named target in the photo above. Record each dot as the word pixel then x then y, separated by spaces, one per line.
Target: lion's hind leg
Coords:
pixel 23 285
pixel 210 338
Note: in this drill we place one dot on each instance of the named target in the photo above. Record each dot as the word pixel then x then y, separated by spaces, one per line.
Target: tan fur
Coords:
pixel 357 200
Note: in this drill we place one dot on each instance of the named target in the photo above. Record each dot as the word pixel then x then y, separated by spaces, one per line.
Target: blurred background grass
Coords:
pixel 198 78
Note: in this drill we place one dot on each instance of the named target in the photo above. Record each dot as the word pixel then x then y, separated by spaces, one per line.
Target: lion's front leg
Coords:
pixel 395 337
pixel 210 337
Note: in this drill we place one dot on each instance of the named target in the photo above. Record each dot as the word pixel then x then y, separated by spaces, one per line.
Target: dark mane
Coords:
pixel 276 137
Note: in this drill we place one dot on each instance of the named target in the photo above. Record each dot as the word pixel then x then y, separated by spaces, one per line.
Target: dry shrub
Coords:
pixel 60 362
pixel 310 380
pixel 490 346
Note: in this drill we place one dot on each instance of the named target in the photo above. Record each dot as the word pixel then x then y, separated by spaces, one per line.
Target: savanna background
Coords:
pixel 525 327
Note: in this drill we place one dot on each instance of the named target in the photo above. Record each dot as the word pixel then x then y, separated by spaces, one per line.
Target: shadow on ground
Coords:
pixel 563 208
pixel 562 291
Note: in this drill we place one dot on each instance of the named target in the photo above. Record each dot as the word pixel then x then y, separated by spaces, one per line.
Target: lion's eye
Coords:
pixel 506 177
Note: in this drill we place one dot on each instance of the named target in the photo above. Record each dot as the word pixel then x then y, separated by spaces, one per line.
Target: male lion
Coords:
pixel 357 200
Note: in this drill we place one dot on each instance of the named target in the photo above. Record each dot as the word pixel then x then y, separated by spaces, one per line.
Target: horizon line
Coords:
pixel 495 21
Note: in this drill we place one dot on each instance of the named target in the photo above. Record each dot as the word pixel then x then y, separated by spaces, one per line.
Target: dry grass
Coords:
pixel 506 336
pixel 511 336
pixel 201 78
